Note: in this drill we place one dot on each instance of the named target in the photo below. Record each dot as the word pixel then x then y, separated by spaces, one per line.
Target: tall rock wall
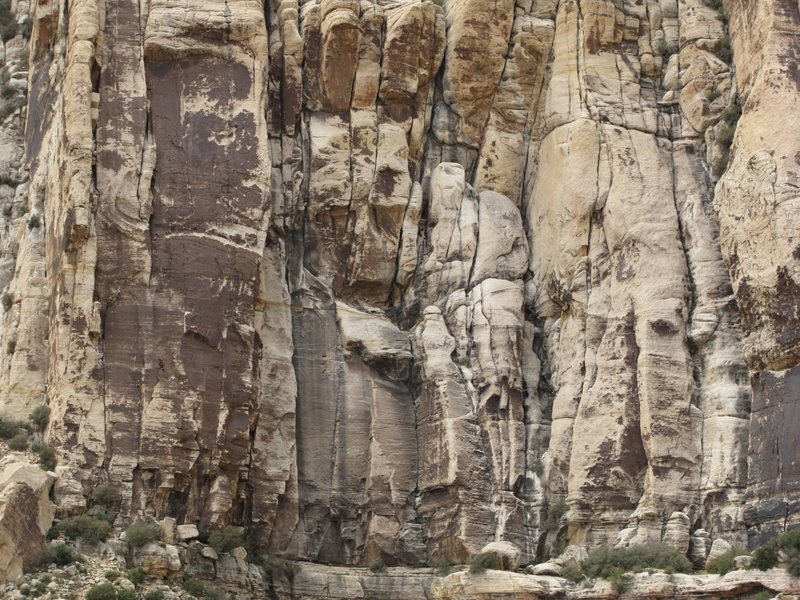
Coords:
pixel 386 280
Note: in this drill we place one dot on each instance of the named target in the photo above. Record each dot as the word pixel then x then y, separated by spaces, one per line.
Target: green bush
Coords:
pixel 619 579
pixel 126 595
pixel 47 457
pixel 768 556
pixel 9 427
pixel 7 91
pixel 725 563
pixel 84 527
pixel 377 566
pixel 98 512
pixel 136 576
pixel 112 575
pixel 8 22
pixel 213 593
pixel 572 573
pixel 8 301
pixel 154 595
pixel 443 567
pixel 485 560
pixel 554 513
pixel 39 417
pixel 106 495
pixel 194 587
pixel 603 561
pixel 277 568
pixel 104 591
pixel 725 51
pixel 34 221
pixel 60 555
pixel 228 538
pixel 19 442
pixel 11 346
pixel 141 534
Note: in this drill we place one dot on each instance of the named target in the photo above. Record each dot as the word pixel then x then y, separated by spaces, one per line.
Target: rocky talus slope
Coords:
pixel 388 280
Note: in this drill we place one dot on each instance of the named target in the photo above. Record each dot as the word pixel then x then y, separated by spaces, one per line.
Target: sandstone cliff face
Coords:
pixel 386 280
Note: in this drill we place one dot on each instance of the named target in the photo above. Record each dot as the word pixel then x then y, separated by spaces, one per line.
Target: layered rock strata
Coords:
pixel 385 281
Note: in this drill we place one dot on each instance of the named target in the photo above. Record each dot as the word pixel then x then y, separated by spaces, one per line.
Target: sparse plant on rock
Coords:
pixel 85 528
pixel 39 417
pixel 106 495
pixel 554 514
pixel 19 442
pixel 47 456
pixel 136 576
pixel 10 427
pixel 104 591
pixel 604 562
pixel 60 555
pixel 483 561
pixel 785 547
pixel 725 563
pixel 141 534
pixel 228 538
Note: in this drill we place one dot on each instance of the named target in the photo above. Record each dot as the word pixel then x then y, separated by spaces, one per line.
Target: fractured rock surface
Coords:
pixel 385 281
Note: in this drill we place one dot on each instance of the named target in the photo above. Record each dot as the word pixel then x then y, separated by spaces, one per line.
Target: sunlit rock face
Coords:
pixel 388 280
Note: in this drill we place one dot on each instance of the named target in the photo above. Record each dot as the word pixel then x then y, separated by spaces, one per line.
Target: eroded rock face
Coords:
pixel 387 281
pixel 26 514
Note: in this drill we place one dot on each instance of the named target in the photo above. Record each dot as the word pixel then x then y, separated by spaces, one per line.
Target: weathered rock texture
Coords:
pixel 26 514
pixel 388 280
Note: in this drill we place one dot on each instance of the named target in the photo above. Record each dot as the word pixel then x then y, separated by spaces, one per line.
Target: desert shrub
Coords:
pixel 60 555
pixel 11 346
pixel 213 593
pixel 136 576
pixel 724 563
pixel 377 566
pixel 19 442
pixel 47 457
pixel 98 512
pixel 786 544
pixel 85 528
pixel 9 427
pixel 8 301
pixel 154 595
pixel 572 573
pixel 603 561
pixel 725 51
pixel 112 575
pixel 126 595
pixel 104 591
pixel 277 568
pixel 34 221
pixel 194 587
pixel 554 513
pixel 106 495
pixel 8 22
pixel 226 539
pixel 142 533
pixel 485 560
pixel 443 567
pixel 7 91
pixel 619 579
pixel 39 417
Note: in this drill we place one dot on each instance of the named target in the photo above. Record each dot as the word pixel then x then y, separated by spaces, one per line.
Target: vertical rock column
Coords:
pixel 759 210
